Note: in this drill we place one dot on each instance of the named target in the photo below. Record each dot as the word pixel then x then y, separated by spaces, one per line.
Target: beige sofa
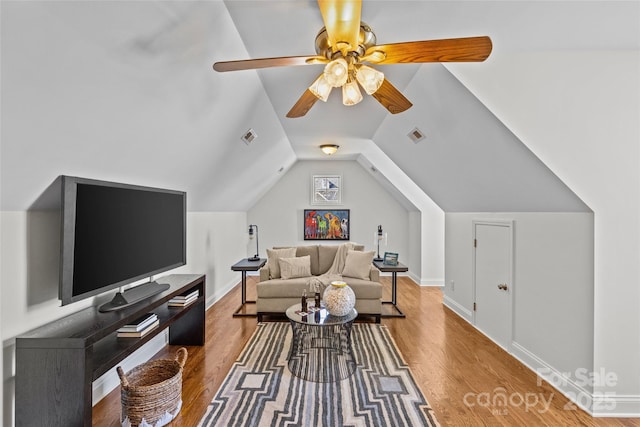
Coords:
pixel 275 294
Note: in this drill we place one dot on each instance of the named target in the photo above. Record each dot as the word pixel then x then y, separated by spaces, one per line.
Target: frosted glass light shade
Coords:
pixel 336 72
pixel 369 78
pixel 329 149
pixel 321 88
pixel 351 93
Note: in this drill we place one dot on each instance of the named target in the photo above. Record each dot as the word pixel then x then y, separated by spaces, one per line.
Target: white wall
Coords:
pixel 279 213
pixel 580 113
pixel 553 287
pixel 431 254
pixel 215 241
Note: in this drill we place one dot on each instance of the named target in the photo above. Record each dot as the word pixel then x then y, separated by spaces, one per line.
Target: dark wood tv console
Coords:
pixel 56 363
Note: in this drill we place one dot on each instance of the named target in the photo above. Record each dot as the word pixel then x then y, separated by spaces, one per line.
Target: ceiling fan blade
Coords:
pixel 342 21
pixel 303 105
pixel 283 61
pixel 468 49
pixel 391 98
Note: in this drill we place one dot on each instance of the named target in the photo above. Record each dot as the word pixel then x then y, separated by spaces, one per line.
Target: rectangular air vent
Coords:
pixel 416 135
pixel 249 136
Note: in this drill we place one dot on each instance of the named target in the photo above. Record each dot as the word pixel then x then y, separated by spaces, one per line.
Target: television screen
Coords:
pixel 114 234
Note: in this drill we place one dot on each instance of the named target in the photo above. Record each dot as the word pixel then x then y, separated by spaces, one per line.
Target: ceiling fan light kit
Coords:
pixel 351 93
pixel 321 88
pixel 337 72
pixel 345 43
pixel 369 78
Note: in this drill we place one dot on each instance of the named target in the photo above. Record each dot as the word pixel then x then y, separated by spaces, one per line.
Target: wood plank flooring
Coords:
pixel 452 362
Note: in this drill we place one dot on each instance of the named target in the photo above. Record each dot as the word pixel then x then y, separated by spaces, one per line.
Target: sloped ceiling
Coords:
pixel 125 91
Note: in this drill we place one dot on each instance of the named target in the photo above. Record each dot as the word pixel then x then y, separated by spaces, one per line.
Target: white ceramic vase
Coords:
pixel 339 299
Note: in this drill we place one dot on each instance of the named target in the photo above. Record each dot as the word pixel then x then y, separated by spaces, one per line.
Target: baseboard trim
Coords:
pixel 417 280
pixel 575 393
pixel 616 405
pixel 219 293
pixel 457 308
pixel 431 282
pixel 596 404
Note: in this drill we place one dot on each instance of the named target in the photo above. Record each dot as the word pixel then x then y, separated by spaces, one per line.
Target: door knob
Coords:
pixel 502 287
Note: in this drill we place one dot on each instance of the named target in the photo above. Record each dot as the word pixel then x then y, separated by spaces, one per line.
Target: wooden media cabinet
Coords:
pixel 57 363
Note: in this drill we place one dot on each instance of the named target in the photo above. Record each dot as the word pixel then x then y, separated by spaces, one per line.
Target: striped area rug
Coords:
pixel 260 391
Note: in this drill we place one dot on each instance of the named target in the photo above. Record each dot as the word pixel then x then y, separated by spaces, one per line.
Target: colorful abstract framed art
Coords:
pixel 326 224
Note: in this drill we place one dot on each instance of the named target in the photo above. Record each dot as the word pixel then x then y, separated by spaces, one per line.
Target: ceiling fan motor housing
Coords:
pixel 366 39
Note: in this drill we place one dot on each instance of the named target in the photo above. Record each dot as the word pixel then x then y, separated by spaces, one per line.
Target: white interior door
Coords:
pixel 493 288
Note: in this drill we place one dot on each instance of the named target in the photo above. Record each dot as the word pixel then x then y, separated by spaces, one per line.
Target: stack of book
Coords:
pixel 139 327
pixel 184 299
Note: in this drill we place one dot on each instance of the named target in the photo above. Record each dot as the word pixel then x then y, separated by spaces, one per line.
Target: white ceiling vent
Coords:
pixel 249 136
pixel 416 135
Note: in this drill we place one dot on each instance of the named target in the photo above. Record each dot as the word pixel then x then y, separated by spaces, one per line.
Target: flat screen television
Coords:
pixel 115 234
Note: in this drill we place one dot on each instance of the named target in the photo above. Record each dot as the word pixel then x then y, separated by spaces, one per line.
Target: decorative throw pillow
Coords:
pixel 290 268
pixel 358 264
pixel 273 255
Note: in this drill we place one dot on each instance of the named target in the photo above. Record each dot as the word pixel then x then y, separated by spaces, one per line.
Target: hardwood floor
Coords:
pixel 451 361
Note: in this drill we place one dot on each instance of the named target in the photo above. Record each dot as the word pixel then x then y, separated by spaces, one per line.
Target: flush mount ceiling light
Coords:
pixel 345 44
pixel 329 149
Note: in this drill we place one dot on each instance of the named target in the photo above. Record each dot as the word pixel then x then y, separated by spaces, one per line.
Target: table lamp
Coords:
pixel 379 237
pixel 256 257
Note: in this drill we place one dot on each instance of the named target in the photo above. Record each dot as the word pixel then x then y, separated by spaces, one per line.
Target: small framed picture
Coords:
pixel 326 190
pixel 390 258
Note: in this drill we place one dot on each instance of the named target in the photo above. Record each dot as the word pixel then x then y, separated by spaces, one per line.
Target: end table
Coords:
pixel 394 270
pixel 245 265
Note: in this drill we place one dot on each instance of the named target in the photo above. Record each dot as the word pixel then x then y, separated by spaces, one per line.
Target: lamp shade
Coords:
pixel 336 72
pixel 351 93
pixel 321 88
pixel 369 78
pixel 253 230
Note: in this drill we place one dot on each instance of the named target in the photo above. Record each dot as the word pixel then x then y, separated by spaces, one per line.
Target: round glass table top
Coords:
pixel 319 317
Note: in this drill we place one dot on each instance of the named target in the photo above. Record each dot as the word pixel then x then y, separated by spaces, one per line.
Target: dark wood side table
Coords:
pixel 394 270
pixel 245 265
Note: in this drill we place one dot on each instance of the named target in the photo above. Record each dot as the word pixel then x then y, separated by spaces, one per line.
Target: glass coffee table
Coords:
pixel 321 344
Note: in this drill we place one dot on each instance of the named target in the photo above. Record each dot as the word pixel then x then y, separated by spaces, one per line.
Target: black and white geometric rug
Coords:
pixel 260 391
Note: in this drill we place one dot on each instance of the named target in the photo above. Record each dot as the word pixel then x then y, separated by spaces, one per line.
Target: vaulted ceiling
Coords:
pixel 125 91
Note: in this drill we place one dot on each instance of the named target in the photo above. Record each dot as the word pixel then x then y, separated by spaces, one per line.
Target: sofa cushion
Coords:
pixel 273 255
pixel 326 255
pixel 291 268
pixel 364 289
pixel 312 251
pixel 292 288
pixel 358 264
pixel 279 288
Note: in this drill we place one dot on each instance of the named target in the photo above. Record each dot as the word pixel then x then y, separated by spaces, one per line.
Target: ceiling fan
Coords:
pixel 345 44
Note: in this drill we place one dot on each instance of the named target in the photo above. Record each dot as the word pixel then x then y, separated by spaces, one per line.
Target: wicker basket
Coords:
pixel 152 392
